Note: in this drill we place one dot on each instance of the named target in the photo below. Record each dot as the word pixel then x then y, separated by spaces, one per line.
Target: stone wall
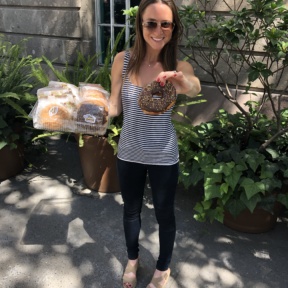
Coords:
pixel 56 29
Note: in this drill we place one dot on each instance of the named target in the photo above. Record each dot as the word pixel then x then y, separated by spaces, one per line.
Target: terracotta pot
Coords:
pixel 11 162
pixel 259 221
pixel 98 164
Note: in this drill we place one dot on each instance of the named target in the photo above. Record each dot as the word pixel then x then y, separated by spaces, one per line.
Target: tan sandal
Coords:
pixel 157 280
pixel 130 282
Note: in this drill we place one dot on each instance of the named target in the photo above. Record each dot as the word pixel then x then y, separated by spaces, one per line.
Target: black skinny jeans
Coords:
pixel 163 181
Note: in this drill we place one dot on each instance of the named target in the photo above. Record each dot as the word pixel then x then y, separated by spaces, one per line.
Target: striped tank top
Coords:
pixel 146 139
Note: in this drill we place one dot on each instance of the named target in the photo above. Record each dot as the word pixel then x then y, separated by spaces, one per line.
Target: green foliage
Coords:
pixel 241 158
pixel 16 83
pixel 104 75
pixel 251 43
pixel 131 14
pixel 84 69
pixel 235 177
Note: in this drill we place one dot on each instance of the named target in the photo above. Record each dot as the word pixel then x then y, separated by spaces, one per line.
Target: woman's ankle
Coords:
pixel 133 262
pixel 158 273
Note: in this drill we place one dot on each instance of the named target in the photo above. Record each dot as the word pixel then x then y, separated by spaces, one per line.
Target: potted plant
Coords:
pixel 235 179
pixel 16 83
pixel 241 158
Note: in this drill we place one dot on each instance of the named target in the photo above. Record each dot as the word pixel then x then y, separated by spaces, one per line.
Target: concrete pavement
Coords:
pixel 50 236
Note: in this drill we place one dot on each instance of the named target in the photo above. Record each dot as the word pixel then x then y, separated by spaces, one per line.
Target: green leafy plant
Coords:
pixel 234 178
pixel 131 13
pixel 240 158
pixel 16 99
pixel 246 45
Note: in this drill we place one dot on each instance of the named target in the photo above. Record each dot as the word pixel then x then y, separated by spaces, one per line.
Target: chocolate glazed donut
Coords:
pixel 155 99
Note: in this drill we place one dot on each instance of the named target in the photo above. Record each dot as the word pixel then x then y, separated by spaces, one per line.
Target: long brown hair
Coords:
pixel 168 55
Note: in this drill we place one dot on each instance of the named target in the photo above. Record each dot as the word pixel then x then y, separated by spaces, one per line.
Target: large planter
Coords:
pixel 11 162
pixel 98 164
pixel 259 221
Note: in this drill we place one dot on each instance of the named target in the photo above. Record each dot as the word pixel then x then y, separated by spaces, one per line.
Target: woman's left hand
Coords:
pixel 184 80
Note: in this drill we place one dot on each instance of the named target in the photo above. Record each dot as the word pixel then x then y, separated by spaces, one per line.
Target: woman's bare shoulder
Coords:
pixel 120 55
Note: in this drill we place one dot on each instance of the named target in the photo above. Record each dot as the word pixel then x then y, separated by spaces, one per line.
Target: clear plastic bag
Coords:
pixel 61 108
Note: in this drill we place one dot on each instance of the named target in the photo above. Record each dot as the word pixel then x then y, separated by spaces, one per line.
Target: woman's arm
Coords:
pixel 183 79
pixel 115 104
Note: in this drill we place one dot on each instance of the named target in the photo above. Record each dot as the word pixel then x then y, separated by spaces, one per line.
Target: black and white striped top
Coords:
pixel 146 139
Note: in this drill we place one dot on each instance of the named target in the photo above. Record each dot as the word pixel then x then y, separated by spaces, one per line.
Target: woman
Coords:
pixel 148 143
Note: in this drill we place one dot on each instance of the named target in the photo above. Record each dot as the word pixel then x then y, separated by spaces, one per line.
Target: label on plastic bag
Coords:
pixel 53 111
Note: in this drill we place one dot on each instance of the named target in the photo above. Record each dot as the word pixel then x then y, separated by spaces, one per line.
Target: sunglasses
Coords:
pixel 165 25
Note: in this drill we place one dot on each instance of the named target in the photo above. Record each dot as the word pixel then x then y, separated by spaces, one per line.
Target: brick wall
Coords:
pixel 56 29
